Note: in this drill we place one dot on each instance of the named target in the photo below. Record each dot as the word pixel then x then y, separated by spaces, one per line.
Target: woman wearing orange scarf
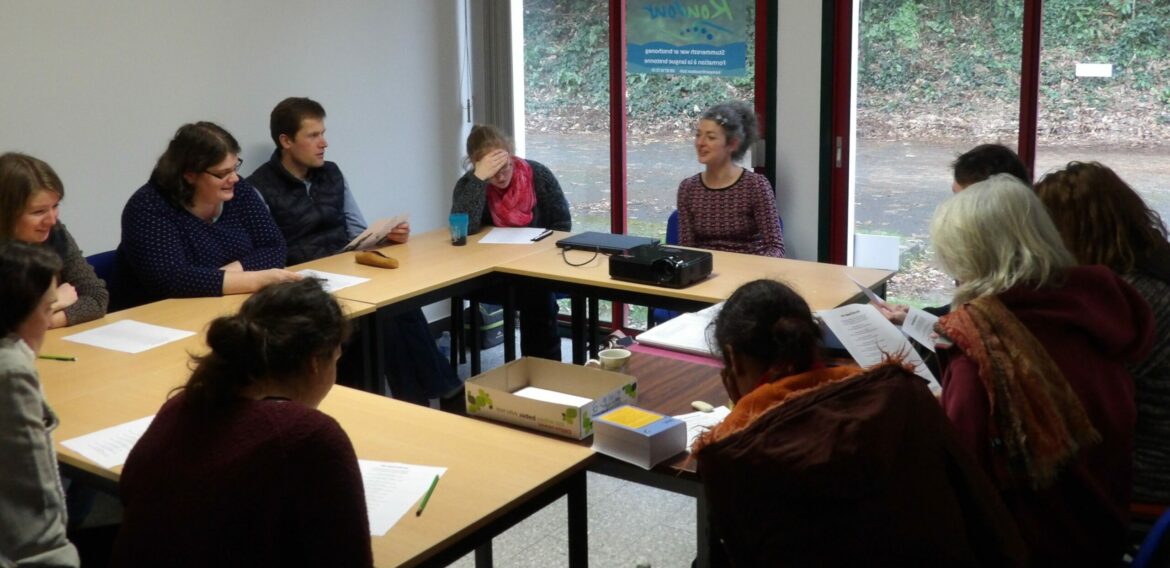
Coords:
pixel 1036 382
pixel 503 190
pixel 836 466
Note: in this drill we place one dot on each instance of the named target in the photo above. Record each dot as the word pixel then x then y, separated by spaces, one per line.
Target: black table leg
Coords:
pixel 578 522
pixel 577 301
pixel 509 323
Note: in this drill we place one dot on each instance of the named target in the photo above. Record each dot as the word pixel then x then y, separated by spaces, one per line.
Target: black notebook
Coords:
pixel 607 243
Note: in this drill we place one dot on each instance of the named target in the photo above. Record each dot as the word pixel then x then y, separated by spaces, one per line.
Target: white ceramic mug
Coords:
pixel 611 360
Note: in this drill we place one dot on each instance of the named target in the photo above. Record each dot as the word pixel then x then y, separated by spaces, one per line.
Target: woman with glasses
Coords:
pixel 196 228
pixel 30 194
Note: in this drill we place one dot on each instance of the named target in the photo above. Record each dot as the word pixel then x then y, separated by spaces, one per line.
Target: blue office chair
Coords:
pixel 1151 548
pixel 108 267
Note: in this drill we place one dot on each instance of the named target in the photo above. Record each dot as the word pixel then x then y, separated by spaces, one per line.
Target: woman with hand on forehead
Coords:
pixel 197 229
pixel 30 195
pixel 728 207
pixel 504 190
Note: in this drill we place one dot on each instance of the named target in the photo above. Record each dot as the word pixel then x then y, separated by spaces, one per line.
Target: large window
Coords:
pixel 933 79
pixel 567 64
pixel 1105 92
pixel 936 77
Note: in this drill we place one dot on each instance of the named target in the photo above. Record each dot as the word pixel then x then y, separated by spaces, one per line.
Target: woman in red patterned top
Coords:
pixel 727 207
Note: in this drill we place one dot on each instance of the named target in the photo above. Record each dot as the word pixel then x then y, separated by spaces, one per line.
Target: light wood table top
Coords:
pixel 426 263
pixel 823 286
pixel 104 388
pixel 491 469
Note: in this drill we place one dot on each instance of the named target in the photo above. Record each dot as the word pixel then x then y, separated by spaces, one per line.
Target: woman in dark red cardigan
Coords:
pixel 1036 382
pixel 240 468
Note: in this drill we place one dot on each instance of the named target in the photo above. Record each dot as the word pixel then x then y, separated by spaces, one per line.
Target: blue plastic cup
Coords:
pixel 458 223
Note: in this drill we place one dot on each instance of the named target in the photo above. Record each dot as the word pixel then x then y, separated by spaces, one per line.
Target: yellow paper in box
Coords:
pixel 632 417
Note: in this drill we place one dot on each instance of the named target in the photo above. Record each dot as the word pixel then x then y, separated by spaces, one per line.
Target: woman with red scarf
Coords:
pixel 504 190
pixel 836 466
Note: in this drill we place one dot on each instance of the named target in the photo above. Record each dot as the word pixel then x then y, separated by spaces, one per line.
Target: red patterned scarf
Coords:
pixel 512 205
pixel 1035 415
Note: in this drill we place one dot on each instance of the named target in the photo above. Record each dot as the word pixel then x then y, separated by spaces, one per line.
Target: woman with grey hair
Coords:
pixel 1036 380
pixel 727 207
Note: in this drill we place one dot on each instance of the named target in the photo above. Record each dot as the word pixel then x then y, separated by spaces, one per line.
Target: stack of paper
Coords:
pixel 638 436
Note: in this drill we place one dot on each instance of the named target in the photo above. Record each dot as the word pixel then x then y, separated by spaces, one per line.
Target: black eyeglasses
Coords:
pixel 223 176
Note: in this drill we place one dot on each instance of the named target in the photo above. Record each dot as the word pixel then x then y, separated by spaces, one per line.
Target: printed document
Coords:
pixel 868 337
pixel 919 325
pixel 375 235
pixel 333 282
pixel 129 336
pixel 110 447
pixel 392 489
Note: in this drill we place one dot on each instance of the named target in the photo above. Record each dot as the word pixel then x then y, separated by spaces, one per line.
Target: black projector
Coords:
pixel 661 265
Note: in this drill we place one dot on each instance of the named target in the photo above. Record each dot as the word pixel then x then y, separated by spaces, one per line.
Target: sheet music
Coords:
pixel 869 337
pixel 393 489
pixel 129 336
pixel 110 447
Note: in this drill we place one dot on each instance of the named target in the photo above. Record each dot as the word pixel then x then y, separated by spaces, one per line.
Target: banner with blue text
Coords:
pixel 687 37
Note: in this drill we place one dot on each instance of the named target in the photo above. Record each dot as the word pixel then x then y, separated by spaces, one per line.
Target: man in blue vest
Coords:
pixel 317 214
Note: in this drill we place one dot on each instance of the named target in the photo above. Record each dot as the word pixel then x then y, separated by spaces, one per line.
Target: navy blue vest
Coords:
pixel 313 222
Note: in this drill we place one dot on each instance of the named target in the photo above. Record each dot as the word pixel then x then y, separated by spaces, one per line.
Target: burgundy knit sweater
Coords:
pixel 739 218
pixel 265 483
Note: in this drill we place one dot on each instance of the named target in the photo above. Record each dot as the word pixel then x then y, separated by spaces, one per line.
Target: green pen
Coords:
pixel 56 357
pixel 423 504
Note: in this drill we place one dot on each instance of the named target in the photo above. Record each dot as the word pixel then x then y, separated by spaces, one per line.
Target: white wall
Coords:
pixel 97 89
pixel 797 124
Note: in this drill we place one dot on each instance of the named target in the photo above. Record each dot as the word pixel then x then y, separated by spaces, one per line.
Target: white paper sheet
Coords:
pixel 687 333
pixel 545 395
pixel 110 447
pixel 375 234
pixel 873 297
pixel 869 337
pixel 394 489
pixel 511 236
pixel 919 325
pixel 333 282
pixel 699 422
pixel 129 336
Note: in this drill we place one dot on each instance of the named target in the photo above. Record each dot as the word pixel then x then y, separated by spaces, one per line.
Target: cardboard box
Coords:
pixel 491 395
pixel 638 436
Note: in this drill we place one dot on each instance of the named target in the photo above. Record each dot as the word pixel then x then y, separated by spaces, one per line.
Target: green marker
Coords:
pixel 427 497
pixel 56 357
